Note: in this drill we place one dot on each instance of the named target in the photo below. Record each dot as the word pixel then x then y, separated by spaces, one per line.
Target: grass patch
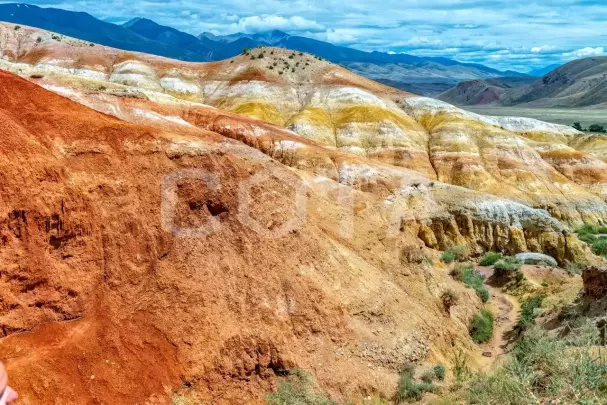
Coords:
pixel 467 274
pixel 490 258
pixel 410 391
pixel 529 312
pixel 599 247
pixel 506 267
pixel 543 367
pixel 481 326
pixel 454 253
pixel 299 388
pixel 440 372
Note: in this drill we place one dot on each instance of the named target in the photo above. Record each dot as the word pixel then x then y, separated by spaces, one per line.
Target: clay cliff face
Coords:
pixel 230 221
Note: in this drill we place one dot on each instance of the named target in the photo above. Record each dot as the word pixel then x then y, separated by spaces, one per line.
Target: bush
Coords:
pixel 466 274
pixel 490 258
pixel 529 312
pixel 449 299
pixel 544 365
pixel 506 266
pixel 596 128
pixel 460 252
pixel 600 247
pixel 428 376
pixel 299 388
pixel 481 327
pixel 439 371
pixel 573 268
pixel 408 390
pixel 447 257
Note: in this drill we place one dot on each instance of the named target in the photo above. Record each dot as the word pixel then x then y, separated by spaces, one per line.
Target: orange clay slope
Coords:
pixel 101 304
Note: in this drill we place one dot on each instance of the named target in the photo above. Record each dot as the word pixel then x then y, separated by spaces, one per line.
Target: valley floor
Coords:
pixel 563 116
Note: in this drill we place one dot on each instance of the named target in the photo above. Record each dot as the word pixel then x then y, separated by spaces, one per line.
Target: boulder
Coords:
pixel 595 281
pixel 536 258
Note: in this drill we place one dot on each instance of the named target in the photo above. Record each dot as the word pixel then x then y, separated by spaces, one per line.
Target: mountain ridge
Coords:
pixel 579 83
pixel 427 75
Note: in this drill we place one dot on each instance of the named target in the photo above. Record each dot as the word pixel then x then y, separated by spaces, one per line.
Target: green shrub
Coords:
pixel 299 388
pixel 519 277
pixel 588 238
pixel 529 312
pixel 440 372
pixel 481 326
pixel 586 229
pixel 483 294
pixel 410 391
pixel 467 274
pixel 573 268
pixel 506 266
pixel 428 376
pixel 490 258
pixel 447 257
pixel 460 252
pixel 543 365
pixel 600 247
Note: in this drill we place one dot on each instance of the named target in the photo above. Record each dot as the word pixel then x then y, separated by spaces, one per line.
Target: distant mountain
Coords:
pixel 86 27
pixel 483 91
pixel 579 83
pixel 172 37
pixel 422 75
pixel 543 71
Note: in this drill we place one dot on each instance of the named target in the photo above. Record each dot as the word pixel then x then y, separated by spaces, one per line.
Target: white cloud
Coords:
pixel 586 52
pixel 266 22
pixel 543 48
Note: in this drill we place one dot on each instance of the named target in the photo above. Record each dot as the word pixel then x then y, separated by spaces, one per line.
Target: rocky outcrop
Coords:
pixel 595 281
pixel 536 258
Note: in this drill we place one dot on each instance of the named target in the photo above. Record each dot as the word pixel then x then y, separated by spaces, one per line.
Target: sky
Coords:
pixel 503 34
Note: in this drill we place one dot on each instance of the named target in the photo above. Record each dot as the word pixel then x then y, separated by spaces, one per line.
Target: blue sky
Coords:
pixel 504 34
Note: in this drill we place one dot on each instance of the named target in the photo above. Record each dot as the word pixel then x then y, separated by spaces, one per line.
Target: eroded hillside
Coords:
pixel 109 288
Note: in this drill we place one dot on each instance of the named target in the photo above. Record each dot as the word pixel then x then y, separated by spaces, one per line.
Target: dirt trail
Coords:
pixel 506 309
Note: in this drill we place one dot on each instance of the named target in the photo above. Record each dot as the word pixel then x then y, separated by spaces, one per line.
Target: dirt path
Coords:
pixel 506 309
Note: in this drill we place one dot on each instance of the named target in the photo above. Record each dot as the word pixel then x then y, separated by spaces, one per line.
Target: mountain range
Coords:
pixel 273 226
pixel 579 83
pixel 421 75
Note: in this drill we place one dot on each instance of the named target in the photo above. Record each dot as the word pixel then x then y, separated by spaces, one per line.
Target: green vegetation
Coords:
pixel 529 312
pixel 490 258
pixel 467 274
pixel 440 372
pixel 481 326
pixel 506 266
pixel 428 376
pixel 447 257
pixel 17 27
pixel 542 367
pixel 449 299
pixel 600 247
pixel 410 391
pixel 573 268
pixel 299 388
pixel 596 237
pixel 458 253
pixel 597 128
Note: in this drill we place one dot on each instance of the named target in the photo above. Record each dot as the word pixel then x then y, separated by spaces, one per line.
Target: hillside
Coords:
pixel 480 92
pixel 580 83
pixel 174 227
pixel 423 75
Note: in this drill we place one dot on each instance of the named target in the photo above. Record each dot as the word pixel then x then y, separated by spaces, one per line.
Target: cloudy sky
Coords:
pixel 504 34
